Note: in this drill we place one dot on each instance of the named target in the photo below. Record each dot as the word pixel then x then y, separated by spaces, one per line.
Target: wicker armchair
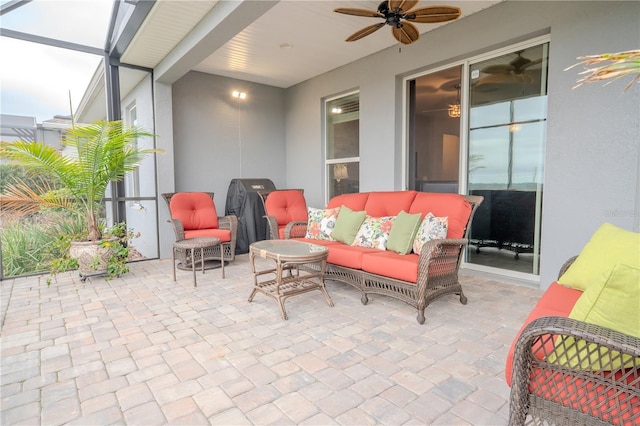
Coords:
pixel 286 213
pixel 202 220
pixel 544 392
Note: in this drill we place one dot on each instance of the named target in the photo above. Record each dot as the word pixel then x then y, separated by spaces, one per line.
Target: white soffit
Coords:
pixel 168 22
pixel 314 31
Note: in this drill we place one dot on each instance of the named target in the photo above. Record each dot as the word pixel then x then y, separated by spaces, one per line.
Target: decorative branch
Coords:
pixel 609 66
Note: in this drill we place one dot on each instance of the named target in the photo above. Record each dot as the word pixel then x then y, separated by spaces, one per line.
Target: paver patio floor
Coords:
pixel 142 349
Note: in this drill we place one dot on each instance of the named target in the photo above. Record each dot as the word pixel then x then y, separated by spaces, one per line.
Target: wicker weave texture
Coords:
pixel 598 384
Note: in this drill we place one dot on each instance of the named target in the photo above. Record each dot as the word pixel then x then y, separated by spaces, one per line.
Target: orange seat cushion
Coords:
pixel 348 256
pixel 557 301
pixel 452 206
pixel 587 395
pixel 223 234
pixel 194 209
pixel 393 265
pixel 287 206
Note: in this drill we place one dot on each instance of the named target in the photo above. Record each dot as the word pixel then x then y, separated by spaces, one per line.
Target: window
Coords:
pixel 342 134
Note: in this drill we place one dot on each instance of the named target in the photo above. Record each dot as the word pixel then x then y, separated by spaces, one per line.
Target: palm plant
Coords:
pixel 610 66
pixel 106 151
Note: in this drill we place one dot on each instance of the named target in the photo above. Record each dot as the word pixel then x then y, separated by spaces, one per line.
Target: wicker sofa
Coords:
pixel 412 278
pixel 545 390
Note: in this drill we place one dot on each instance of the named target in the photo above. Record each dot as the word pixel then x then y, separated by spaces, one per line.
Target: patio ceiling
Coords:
pixel 269 42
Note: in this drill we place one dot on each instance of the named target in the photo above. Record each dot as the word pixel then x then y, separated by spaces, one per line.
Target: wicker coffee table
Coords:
pixel 286 279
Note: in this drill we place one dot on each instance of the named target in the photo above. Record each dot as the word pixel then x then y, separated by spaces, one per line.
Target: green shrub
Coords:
pixel 32 244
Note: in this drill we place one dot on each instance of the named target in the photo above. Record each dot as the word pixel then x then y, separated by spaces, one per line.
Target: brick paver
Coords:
pixel 142 349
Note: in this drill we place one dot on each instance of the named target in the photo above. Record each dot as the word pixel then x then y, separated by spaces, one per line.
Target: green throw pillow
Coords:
pixel 613 302
pixel 347 225
pixel 608 246
pixel 403 232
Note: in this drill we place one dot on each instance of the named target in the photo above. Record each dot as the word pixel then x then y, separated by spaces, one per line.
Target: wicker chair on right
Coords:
pixel 286 213
pixel 570 372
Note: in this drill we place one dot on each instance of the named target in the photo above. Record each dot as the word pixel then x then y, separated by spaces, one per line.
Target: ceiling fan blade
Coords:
pixel 406 33
pixel 529 64
pixel 359 12
pixel 498 69
pixel 434 14
pixel 403 5
pixel 365 31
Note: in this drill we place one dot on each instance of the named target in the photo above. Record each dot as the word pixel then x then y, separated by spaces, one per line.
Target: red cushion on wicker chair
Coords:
pixel 223 234
pixel 287 206
pixel 589 396
pixel 557 300
pixel 194 209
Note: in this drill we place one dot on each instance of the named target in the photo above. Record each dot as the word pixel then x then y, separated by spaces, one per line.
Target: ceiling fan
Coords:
pixel 516 66
pixel 513 72
pixel 399 16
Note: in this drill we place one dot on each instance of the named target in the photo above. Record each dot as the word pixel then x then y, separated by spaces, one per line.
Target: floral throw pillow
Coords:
pixel 321 222
pixel 431 228
pixel 374 232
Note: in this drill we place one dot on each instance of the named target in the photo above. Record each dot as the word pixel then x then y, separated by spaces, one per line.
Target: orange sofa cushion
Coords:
pixel 393 265
pixel 355 201
pixel 557 301
pixel 348 256
pixel 388 203
pixel 453 206
pixel 194 209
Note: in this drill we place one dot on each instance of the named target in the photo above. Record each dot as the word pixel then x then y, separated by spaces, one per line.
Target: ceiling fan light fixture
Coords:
pixel 454 110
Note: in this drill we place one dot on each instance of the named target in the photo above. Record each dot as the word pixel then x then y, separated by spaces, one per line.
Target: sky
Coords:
pixel 37 80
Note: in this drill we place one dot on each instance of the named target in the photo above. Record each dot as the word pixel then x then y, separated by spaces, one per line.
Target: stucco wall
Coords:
pixel 592 152
pixel 218 138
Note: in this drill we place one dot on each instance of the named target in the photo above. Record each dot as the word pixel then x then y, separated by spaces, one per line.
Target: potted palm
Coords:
pixel 103 153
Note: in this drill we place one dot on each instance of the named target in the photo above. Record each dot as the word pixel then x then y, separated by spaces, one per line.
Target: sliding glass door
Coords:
pixel 507 124
pixel 479 128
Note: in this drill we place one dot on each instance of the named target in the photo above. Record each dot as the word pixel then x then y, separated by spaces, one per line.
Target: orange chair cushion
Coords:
pixel 452 206
pixel 287 206
pixel 597 400
pixel 557 301
pixel 195 210
pixel 223 234
pixel 393 265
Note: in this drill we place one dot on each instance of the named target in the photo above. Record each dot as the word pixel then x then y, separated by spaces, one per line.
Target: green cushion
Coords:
pixel 403 232
pixel 609 246
pixel 347 225
pixel 612 302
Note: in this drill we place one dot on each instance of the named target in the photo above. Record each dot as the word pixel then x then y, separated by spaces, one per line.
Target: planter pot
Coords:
pixel 91 256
